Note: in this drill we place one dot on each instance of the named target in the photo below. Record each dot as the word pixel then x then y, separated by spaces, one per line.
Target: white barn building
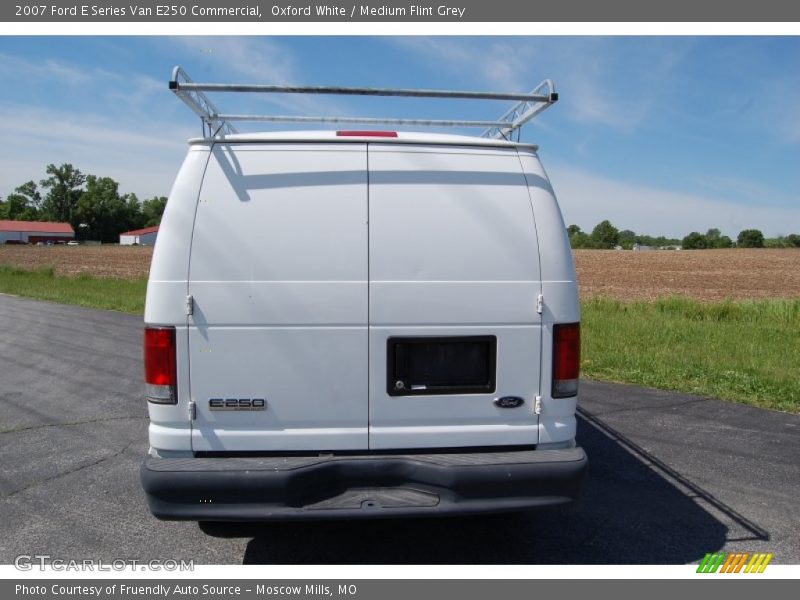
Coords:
pixel 143 237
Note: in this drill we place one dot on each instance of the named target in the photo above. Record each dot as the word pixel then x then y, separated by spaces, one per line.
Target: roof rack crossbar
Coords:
pixel 528 105
pixel 361 120
pixel 357 91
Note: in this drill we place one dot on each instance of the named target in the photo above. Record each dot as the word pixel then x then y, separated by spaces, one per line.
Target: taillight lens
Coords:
pixel 160 373
pixel 566 359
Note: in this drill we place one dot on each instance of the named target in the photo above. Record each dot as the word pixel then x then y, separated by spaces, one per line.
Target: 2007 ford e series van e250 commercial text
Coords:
pixel 360 323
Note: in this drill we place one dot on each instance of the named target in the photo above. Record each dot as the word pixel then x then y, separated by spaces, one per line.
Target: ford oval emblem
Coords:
pixel 509 402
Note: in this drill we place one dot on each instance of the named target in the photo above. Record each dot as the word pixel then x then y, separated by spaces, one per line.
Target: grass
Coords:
pixel 125 295
pixel 746 351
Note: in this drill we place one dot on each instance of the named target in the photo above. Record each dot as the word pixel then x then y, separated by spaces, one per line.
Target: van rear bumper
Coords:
pixel 354 486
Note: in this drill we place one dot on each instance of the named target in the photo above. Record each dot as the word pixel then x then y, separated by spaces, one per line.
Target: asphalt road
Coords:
pixel 671 476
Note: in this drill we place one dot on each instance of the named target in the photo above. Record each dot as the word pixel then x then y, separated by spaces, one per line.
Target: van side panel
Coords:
pixel 170 428
pixel 559 284
pixel 166 288
pixel 279 279
pixel 453 253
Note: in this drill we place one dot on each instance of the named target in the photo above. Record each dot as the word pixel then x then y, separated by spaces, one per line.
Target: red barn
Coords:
pixel 31 232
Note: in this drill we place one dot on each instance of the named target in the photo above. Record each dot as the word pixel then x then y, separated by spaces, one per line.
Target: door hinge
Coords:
pixel 189 304
pixel 540 304
pixel 537 405
pixel 192 410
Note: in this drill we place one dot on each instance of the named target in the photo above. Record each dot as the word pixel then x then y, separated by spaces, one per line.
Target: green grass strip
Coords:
pixel 123 295
pixel 747 351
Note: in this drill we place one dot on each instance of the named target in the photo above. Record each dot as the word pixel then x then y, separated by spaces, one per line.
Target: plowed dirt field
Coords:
pixel 125 262
pixel 708 275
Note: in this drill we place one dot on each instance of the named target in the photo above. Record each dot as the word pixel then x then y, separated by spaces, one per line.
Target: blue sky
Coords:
pixel 662 135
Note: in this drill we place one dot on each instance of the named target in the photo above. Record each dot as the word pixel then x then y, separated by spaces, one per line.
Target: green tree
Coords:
pixel 63 193
pixel 23 204
pixel 32 195
pixel 605 235
pixel 101 211
pixel 724 242
pixel 134 219
pixel 750 238
pixel 715 239
pixel 627 238
pixel 694 241
pixel 777 242
pixel 579 239
pixel 793 240
pixel 153 209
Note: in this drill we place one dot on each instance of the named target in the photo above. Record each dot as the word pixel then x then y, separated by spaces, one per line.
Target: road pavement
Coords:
pixel 671 476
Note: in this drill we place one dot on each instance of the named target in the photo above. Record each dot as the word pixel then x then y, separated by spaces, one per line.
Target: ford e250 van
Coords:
pixel 360 323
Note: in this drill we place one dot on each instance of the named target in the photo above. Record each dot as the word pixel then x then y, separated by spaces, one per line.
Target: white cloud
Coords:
pixel 739 188
pixel 143 157
pixel 782 110
pixel 19 71
pixel 587 199
pixel 257 60
pixel 494 65
pixel 16 70
pixel 499 64
pixel 585 70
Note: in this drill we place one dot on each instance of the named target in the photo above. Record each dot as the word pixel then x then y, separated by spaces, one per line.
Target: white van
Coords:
pixel 357 324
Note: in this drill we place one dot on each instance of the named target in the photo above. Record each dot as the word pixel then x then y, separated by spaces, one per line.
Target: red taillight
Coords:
pixel 384 134
pixel 566 359
pixel 159 364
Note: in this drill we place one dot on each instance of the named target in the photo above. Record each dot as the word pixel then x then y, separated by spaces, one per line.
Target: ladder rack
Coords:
pixel 215 123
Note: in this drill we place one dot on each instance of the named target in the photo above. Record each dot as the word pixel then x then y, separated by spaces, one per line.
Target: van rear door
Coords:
pixel 455 336
pixel 278 277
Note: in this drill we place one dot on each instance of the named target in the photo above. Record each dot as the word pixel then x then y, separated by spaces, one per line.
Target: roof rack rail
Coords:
pixel 215 123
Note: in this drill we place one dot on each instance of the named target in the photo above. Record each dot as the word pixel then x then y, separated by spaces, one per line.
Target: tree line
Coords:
pixel 92 205
pixel 606 236
pixel 96 210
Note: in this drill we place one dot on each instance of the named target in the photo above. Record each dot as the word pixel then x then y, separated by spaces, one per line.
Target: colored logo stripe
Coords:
pixel 710 563
pixel 758 563
pixel 729 563
pixel 733 563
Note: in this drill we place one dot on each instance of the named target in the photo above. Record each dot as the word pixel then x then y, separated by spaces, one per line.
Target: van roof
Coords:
pixel 349 135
